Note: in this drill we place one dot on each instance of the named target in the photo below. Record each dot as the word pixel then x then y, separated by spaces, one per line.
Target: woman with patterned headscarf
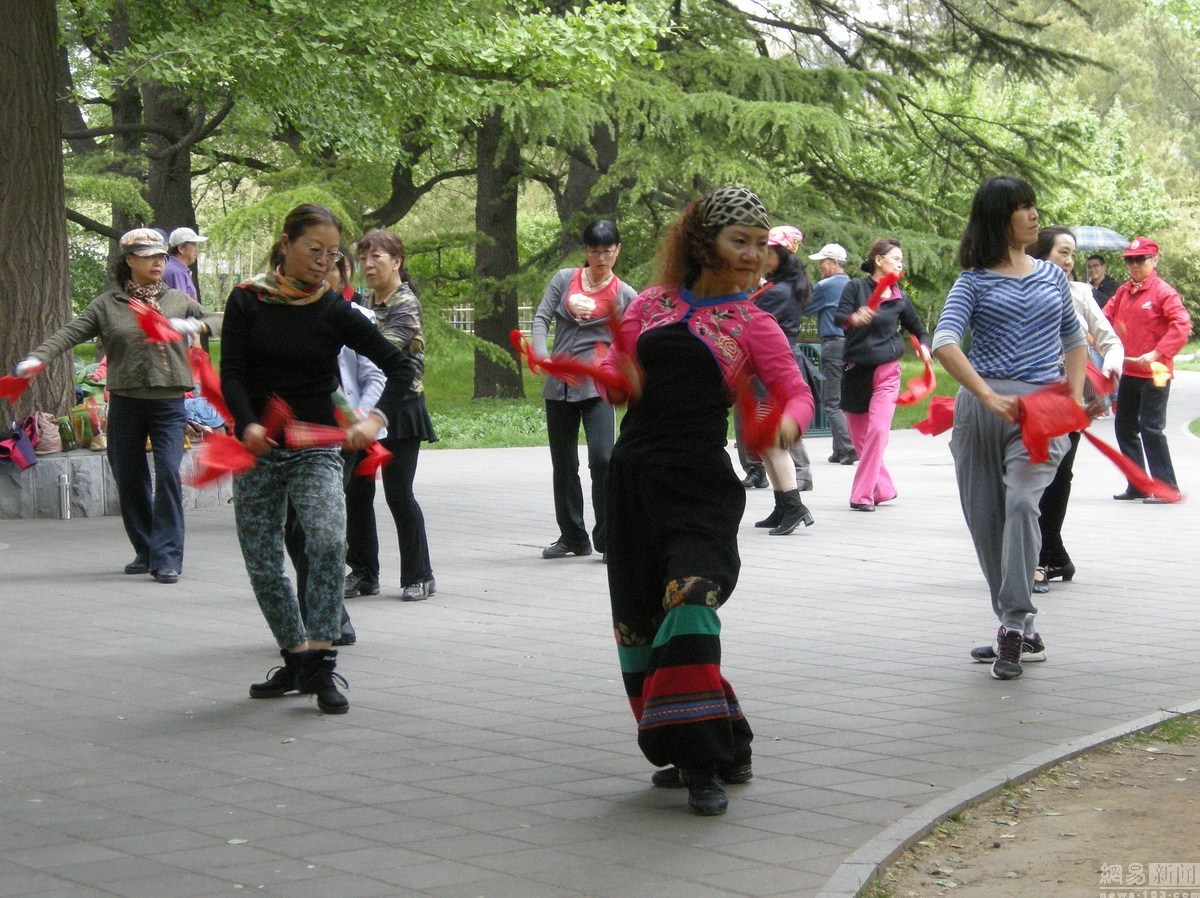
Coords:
pixel 674 501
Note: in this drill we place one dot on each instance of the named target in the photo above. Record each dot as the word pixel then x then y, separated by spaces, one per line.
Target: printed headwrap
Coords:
pixel 733 206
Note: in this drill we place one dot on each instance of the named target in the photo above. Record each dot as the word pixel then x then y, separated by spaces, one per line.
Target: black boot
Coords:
pixel 280 680
pixel 773 519
pixel 794 512
pixel 705 795
pixel 755 479
pixel 317 677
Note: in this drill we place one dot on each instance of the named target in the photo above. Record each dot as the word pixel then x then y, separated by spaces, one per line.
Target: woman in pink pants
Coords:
pixel 871 375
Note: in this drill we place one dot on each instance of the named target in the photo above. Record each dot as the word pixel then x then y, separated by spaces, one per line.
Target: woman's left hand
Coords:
pixel 361 435
pixel 788 433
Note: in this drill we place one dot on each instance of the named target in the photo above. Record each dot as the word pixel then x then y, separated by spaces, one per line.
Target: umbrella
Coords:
pixel 1091 238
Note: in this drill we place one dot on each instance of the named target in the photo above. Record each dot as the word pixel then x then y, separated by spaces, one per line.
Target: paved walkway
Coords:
pixel 489 750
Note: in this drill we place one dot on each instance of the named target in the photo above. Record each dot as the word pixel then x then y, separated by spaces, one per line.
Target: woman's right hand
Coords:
pixel 862 316
pixel 29 367
pixel 254 438
pixel 1006 407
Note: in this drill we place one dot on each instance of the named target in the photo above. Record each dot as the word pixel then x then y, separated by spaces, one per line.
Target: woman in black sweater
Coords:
pixel 284 332
pixel 871 377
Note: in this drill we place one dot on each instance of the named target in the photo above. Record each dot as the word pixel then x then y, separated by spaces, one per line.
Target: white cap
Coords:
pixel 180 236
pixel 834 251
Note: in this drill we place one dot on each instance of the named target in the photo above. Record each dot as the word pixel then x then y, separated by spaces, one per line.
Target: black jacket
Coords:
pixel 880 341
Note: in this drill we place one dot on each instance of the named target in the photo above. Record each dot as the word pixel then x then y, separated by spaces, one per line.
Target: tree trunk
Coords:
pixel 169 179
pixel 33 227
pixel 577 207
pixel 496 262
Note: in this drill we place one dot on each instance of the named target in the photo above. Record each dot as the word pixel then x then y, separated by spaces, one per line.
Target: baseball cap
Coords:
pixel 834 251
pixel 180 236
pixel 787 236
pixel 1140 246
pixel 143 242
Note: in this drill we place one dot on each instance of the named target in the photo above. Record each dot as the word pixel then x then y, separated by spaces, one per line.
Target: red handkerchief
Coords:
pixel 303 435
pixel 918 387
pixel 1102 386
pixel 219 456
pixel 940 417
pixel 376 458
pixel 12 387
pixel 210 383
pixel 1047 413
pixel 1138 479
pixel 276 415
pixel 884 286
pixel 153 324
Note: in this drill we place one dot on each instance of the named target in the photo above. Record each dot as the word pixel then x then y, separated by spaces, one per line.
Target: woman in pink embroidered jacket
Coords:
pixel 674 501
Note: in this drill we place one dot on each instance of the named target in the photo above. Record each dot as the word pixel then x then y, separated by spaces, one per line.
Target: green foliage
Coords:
pixel 264 218
pixel 88 272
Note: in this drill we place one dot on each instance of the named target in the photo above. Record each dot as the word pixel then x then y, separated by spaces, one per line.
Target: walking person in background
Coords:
pixel 674 502
pixel 146 383
pixel 1022 324
pixel 871 375
pixel 581 303
pixel 1151 321
pixel 284 331
pixel 831 263
pixel 788 470
pixel 398 314
pixel 1057 245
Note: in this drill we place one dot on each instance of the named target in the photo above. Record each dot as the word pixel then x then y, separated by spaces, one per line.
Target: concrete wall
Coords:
pixel 33 493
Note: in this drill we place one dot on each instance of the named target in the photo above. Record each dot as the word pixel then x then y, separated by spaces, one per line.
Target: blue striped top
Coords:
pixel 1020 326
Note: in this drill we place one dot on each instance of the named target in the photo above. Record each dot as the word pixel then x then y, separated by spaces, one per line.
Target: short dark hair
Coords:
pixel 390 243
pixel 601 233
pixel 298 221
pixel 985 240
pixel 881 247
pixel 1040 248
pixel 1098 258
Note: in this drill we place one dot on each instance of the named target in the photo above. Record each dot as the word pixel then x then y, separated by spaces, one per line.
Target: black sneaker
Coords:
pixel 1032 649
pixel 1007 665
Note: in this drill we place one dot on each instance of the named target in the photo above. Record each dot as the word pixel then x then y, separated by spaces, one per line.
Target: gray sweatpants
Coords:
pixel 1000 489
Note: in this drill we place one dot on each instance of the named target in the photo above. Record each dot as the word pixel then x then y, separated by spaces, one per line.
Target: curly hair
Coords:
pixel 687 247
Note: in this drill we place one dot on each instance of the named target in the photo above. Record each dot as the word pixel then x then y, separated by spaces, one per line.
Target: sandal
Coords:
pixel 1040 581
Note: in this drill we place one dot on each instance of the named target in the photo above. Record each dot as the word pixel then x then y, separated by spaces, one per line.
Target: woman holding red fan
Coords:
pixel 872 315
pixel 1022 322
pixel 674 502
pixel 283 332
pixel 146 383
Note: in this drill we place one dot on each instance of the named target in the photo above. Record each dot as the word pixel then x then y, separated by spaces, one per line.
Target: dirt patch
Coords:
pixel 1119 822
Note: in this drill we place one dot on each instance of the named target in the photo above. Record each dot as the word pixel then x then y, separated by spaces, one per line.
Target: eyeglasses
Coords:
pixel 377 256
pixel 601 253
pixel 1138 260
pixel 317 253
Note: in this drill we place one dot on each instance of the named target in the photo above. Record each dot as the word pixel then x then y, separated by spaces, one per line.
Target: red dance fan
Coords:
pixel 276 416
pixel 303 435
pixel 940 417
pixel 219 456
pixel 1138 478
pixel 885 284
pixel 376 458
pixel 153 324
pixel 918 387
pixel 1047 413
pixel 12 387
pixel 210 383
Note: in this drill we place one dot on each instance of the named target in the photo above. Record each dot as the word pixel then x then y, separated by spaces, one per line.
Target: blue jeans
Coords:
pixel 152 514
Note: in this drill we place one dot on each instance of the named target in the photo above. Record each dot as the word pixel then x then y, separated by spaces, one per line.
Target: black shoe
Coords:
pixel 850 458
pixel 166 575
pixel 862 506
pixel 1129 496
pixel 1064 572
pixel 733 775
pixel 705 795
pixel 137 566
pixel 1009 646
pixel 348 637
pixel 317 676
pixel 755 479
pixel 1040 586
pixel 360 585
pixel 1032 649
pixel 773 519
pixel 794 511
pixel 280 680
pixel 559 549
pixel 421 590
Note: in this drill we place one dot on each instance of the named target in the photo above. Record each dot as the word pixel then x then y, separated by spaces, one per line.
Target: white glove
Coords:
pixel 188 326
pixel 29 367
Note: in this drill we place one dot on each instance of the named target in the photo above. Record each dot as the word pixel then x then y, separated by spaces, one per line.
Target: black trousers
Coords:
pixel 562 426
pixel 398 477
pixel 362 537
pixel 1141 419
pixel 1054 510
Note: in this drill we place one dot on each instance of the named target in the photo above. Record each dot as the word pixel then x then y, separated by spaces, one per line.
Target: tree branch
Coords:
pixel 90 224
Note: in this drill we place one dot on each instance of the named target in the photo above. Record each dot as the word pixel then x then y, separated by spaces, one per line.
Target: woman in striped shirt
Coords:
pixel 1019 312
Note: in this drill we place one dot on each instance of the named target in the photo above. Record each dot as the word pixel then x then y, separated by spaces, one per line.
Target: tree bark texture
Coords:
pixel 577 206
pixel 34 298
pixel 496 262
